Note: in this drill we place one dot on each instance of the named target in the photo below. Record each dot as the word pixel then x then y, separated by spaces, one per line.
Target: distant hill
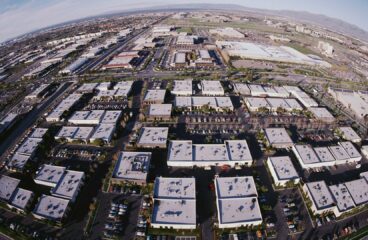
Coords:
pixel 333 24
pixel 330 23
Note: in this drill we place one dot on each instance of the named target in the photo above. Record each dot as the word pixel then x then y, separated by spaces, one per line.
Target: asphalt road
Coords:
pixel 29 119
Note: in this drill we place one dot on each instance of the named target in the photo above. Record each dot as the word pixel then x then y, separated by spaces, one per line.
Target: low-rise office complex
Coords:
pixel 174 203
pixel 282 170
pixel 183 153
pixel 132 167
pixel 237 203
pixel 278 138
pixel 151 137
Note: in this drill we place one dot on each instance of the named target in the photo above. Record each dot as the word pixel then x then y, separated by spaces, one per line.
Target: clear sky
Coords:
pixel 22 16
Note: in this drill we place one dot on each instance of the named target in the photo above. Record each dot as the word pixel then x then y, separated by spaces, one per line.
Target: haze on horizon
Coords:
pixel 18 17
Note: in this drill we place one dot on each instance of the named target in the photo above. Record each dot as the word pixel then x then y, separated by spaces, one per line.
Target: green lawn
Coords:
pixel 358 235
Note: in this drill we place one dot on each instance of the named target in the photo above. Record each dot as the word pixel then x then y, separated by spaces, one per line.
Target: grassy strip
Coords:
pixel 358 235
pixel 91 218
pixel 15 235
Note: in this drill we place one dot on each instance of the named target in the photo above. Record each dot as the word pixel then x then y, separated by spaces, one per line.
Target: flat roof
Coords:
pixel 224 102
pixel 180 57
pixel 155 95
pixel 339 153
pixel 257 89
pixel 132 165
pixel 201 101
pixel 38 133
pixel 8 185
pixel 182 87
pixel 104 132
pixel 153 135
pixel 324 154
pixel 175 188
pixel 174 211
pixel 358 190
pixel 87 87
pixel 256 102
pixel 83 133
pixel 237 210
pixel 160 109
pixel 283 167
pixel 241 88
pixel 277 135
pixel 21 197
pixel 257 51
pixel 238 150
pixel 67 132
pixel 111 117
pixel 294 104
pixel 350 149
pixel 184 102
pixel 124 85
pixel 306 153
pixel 278 103
pixel 235 187
pixel 69 184
pixel 321 195
pixel 180 150
pixel 342 197
pixel 50 173
pixel 18 161
pixel 51 207
pixel 230 150
pixel 103 86
pixel 349 134
pixel 321 113
pixel 213 86
pixel 29 146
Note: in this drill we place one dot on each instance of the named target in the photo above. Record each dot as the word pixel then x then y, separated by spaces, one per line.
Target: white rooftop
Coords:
pixel 212 87
pixel 29 146
pixel 321 113
pixel 342 197
pixel 182 87
pixel 153 135
pixel 87 87
pixel 18 161
pixel 350 149
pixel 104 132
pixel 235 187
pixel 242 88
pixel 8 185
pixel 175 188
pixel 68 186
pixel 307 154
pixel 231 150
pixel 155 95
pixel 38 133
pixel 277 136
pixel 111 117
pixel 160 109
pixel 358 190
pixel 174 211
pixel 284 168
pixel 132 166
pixel 239 210
pixel 255 102
pixel 324 154
pixel 21 197
pixel 321 195
pixel 349 134
pixel 51 207
pixel 50 173
pixel 339 153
